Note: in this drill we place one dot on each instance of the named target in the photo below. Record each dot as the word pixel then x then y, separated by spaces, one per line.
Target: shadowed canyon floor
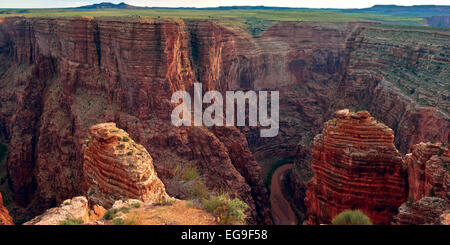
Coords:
pixel 280 207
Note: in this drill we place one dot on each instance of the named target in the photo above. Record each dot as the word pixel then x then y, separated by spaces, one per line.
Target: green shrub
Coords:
pixel 110 214
pixel 118 221
pixel 351 217
pixel 198 191
pixel 228 211
pixel 130 220
pixel 190 174
pixel 189 203
pixel 125 139
pixel 410 201
pixel 164 202
pixel 71 221
pixel 432 192
pixel 136 204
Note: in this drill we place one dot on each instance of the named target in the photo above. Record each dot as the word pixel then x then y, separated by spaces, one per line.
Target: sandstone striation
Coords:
pixel 356 166
pixel 429 185
pixel 427 211
pixel 117 168
pixel 5 219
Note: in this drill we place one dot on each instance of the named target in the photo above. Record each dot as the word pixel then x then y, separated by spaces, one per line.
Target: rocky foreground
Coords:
pixel 122 181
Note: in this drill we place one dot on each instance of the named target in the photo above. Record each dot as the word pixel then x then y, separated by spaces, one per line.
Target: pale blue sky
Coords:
pixel 212 3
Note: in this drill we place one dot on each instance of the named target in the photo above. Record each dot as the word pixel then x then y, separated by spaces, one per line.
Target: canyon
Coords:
pixel 60 76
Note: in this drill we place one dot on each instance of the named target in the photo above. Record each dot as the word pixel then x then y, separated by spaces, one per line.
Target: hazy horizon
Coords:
pixel 208 3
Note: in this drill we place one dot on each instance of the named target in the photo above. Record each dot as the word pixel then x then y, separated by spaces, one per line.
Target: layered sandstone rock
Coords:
pixel 75 209
pixel 402 80
pixel 429 185
pixel 356 166
pixel 5 219
pixel 427 211
pixel 116 168
pixel 427 168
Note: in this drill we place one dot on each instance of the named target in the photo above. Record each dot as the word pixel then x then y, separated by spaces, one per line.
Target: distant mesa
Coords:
pixel 107 5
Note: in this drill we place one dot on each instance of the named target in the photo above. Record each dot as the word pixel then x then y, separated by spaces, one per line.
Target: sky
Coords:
pixel 215 3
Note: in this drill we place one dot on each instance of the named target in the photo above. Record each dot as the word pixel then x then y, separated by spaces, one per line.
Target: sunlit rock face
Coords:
pixel 356 166
pixel 5 219
pixel 117 168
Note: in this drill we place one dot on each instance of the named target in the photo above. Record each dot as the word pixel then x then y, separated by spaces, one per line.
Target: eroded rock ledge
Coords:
pixel 428 169
pixel 116 168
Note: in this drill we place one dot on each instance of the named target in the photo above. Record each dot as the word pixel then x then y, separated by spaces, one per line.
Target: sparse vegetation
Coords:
pixel 131 220
pixel 164 202
pixel 189 203
pixel 190 174
pixel 110 214
pixel 136 205
pixel 228 211
pixel 410 201
pixel 351 217
pixel 118 221
pixel 71 221
pixel 432 192
pixel 198 191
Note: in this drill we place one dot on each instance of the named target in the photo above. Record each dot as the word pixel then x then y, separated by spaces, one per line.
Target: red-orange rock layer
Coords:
pixel 428 167
pixel 116 168
pixel 5 219
pixel 356 166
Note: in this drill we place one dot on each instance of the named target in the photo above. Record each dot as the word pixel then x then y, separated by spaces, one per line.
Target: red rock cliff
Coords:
pixel 68 74
pixel 428 168
pixel 356 166
pixel 5 219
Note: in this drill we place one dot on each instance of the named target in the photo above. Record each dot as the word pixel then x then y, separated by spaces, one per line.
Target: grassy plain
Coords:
pixel 237 14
